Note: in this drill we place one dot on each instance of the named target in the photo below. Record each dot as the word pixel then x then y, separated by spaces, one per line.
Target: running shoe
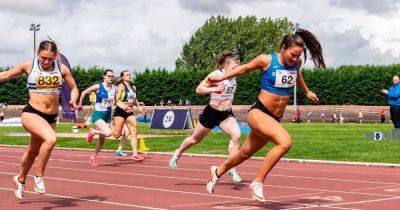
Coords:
pixel 92 161
pixel 19 188
pixel 39 185
pixel 235 176
pixel 90 136
pixel 257 191
pixel 173 162
pixel 137 157
pixel 119 153
pixel 213 179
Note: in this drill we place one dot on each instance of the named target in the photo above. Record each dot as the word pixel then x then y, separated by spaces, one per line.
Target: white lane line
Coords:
pixel 203 180
pixel 155 189
pixel 247 166
pixel 202 170
pixel 89 200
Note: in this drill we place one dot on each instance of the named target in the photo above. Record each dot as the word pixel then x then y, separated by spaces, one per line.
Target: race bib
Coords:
pixel 285 79
pixel 106 102
pixel 229 89
pixel 48 82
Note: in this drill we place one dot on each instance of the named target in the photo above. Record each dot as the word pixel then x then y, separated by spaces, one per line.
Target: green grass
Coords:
pixel 345 142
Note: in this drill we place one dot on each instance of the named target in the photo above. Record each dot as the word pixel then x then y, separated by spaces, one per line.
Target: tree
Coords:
pixel 246 36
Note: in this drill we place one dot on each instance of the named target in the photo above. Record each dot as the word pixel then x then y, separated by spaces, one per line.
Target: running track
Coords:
pixel 123 184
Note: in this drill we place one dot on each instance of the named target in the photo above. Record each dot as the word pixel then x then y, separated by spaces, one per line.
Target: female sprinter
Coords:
pixel 279 73
pixel 45 76
pixel 217 113
pixel 105 97
pixel 123 114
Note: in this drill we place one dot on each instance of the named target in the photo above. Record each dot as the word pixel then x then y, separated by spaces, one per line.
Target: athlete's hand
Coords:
pixel 80 107
pixel 384 91
pixel 313 97
pixel 73 105
pixel 213 79
pixel 219 89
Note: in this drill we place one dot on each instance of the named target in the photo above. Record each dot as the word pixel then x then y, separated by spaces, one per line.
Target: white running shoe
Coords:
pixel 235 176
pixel 39 185
pixel 213 179
pixel 173 162
pixel 19 188
pixel 257 191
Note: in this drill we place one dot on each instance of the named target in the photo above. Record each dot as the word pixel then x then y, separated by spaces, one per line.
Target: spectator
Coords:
pixel 382 114
pixel 334 117
pixel 169 103
pixel 1 116
pixel 394 101
pixel 341 118
pixel 180 102
pixel 298 115
pixel 360 117
pixel 322 117
pixel 162 102
pixel 309 117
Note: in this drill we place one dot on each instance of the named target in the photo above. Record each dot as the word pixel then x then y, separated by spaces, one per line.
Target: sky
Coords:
pixel 135 34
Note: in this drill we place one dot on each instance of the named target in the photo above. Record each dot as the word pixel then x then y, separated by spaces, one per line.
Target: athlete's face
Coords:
pixel 109 77
pixel 127 77
pixel 396 79
pixel 291 55
pixel 231 64
pixel 46 58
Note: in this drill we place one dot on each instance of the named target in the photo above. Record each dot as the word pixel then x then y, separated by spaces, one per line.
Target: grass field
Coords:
pixel 345 142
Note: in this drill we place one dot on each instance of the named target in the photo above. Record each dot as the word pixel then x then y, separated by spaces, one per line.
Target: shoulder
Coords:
pixel 216 72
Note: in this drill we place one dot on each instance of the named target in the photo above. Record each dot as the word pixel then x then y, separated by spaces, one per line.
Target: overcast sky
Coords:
pixel 134 34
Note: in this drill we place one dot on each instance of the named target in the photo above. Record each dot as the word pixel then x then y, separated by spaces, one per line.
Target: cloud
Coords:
pixel 206 6
pixel 134 35
pixel 381 7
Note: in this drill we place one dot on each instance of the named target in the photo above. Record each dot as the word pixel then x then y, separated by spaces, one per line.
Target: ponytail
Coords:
pixel 306 40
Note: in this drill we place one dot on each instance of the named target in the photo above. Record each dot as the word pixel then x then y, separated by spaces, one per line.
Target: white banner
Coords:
pixel 12 122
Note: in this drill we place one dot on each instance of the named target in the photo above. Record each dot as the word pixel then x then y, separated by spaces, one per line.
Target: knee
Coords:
pixel 194 139
pixel 286 145
pixel 51 141
pixel 235 139
pixel 117 135
pixel 108 133
pixel 245 152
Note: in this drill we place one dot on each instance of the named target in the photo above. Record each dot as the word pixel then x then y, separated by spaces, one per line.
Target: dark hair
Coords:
pixel 121 75
pixel 48 46
pixel 225 56
pixel 106 71
pixel 306 40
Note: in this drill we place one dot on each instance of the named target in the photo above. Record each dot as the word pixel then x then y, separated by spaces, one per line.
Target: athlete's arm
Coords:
pixel 17 71
pixel 260 62
pixel 204 88
pixel 69 80
pixel 300 81
pixel 93 88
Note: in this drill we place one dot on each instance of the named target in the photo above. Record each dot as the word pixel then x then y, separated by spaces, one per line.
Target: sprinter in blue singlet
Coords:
pixel 105 98
pixel 279 74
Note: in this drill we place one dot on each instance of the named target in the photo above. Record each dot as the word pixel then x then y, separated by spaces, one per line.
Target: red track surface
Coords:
pixel 123 184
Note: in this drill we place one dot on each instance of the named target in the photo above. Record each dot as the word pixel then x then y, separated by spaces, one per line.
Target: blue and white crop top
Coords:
pixel 279 79
pixel 44 82
pixel 104 98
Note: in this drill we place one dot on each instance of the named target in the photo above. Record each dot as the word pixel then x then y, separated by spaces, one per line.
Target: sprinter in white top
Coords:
pixel 39 117
pixel 217 113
